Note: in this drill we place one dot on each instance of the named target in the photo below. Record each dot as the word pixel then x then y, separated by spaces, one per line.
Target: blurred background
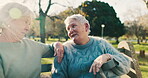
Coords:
pixel 114 20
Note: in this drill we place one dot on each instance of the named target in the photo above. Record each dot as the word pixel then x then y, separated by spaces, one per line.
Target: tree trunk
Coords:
pixel 138 41
pixel 142 53
pixel 42 27
pixel 117 41
pixel 42 20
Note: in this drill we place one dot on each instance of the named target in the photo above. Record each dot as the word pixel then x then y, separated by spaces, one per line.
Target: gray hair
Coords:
pixel 79 18
pixel 12 11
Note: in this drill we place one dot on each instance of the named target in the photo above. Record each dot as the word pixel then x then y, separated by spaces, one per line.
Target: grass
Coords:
pixel 141 47
pixel 47 60
pixel 143 62
pixel 144 71
pixel 138 47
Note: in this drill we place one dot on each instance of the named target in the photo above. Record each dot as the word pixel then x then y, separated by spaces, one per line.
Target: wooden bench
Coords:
pixel 129 51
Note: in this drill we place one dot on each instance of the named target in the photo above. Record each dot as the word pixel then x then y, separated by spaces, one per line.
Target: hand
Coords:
pixel 59 51
pixel 98 62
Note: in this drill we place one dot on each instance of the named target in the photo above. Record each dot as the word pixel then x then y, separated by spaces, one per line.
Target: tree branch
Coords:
pixel 49 4
pixel 40 9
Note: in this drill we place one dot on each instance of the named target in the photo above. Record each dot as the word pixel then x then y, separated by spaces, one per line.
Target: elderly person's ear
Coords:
pixel 87 27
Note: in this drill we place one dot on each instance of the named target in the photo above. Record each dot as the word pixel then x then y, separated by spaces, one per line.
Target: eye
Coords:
pixel 68 29
pixel 73 26
pixel 27 22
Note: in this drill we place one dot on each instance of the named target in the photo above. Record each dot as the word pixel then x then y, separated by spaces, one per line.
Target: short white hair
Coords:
pixel 12 11
pixel 77 17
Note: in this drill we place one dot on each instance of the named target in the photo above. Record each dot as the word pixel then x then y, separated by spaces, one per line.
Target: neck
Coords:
pixel 8 38
pixel 83 41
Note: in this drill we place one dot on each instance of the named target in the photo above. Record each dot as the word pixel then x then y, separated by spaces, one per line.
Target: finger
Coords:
pixel 59 55
pixel 97 68
pixel 56 51
pixel 94 69
pixel 60 58
pixel 90 70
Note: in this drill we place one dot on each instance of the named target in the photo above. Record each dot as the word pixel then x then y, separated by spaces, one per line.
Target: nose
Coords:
pixel 72 29
pixel 27 28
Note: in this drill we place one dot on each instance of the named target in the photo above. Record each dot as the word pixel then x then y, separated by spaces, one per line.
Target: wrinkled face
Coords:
pixel 19 27
pixel 76 30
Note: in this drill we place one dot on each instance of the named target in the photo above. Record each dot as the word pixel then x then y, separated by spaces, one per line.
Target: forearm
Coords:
pixel 119 64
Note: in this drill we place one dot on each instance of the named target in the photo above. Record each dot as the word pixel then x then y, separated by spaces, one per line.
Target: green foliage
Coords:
pixel 144 70
pixel 99 13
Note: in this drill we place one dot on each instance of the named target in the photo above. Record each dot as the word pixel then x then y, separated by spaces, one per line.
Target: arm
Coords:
pixel 55 49
pixel 48 51
pixel 120 63
pixel 1 70
pixel 59 51
pixel 59 70
pixel 111 60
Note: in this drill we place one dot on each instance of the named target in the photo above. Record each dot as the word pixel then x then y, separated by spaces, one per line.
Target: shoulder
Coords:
pixel 31 42
pixel 98 39
pixel 26 40
pixel 68 43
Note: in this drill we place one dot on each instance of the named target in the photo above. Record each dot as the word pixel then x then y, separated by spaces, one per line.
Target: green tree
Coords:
pixel 42 19
pixel 99 13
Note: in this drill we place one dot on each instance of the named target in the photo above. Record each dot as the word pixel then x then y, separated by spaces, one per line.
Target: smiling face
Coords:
pixel 19 27
pixel 77 31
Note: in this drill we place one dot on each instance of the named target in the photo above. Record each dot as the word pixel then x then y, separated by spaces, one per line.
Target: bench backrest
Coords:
pixel 128 49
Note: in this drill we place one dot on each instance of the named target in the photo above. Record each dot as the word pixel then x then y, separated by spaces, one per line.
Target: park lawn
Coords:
pixel 141 47
pixel 138 47
pixel 144 71
pixel 143 62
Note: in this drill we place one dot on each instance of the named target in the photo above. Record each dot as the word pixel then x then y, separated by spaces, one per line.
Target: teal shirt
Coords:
pixel 79 58
pixel 22 59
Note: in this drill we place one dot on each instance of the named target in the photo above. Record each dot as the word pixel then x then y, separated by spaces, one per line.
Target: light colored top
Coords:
pixel 79 58
pixel 22 59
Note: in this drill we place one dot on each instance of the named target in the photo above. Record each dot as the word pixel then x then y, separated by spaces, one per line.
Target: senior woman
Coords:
pixel 19 56
pixel 87 56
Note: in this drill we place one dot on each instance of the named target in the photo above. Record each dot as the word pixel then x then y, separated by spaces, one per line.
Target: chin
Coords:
pixel 76 40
